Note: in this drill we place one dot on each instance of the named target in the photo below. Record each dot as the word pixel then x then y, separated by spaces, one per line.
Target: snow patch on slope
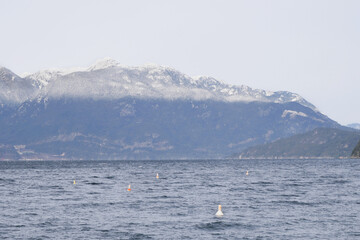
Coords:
pixel 292 114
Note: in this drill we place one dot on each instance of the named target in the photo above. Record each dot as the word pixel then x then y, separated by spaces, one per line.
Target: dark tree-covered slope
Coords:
pixel 318 143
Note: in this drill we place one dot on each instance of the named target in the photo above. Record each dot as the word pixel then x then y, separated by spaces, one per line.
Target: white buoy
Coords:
pixel 247 173
pixel 219 213
pixel 157 176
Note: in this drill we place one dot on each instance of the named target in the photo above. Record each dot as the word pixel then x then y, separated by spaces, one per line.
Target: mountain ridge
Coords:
pixel 112 111
pixel 109 79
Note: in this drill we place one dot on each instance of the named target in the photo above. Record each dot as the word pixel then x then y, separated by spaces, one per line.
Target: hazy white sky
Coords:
pixel 307 47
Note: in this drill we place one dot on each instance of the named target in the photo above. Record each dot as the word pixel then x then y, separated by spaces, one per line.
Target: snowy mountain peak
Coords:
pixel 42 78
pixel 103 64
pixel 14 89
pixel 115 81
pixel 7 75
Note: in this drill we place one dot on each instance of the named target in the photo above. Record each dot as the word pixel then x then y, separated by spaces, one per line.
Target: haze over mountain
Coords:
pixel 354 125
pixel 113 111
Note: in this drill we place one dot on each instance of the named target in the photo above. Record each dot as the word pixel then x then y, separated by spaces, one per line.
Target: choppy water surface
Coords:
pixel 282 199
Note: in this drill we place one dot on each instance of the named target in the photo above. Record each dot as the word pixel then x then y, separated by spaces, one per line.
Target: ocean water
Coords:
pixel 278 199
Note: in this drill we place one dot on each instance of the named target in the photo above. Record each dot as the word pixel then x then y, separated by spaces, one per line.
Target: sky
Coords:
pixel 309 47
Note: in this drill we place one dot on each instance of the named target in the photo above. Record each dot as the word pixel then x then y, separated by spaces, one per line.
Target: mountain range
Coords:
pixel 107 79
pixel 113 111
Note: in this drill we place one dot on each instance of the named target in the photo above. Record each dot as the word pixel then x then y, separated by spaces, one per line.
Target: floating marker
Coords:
pixel 129 188
pixel 157 176
pixel 247 173
pixel 74 182
pixel 219 213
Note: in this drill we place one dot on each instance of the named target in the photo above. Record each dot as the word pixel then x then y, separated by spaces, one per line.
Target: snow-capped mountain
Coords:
pixel 113 111
pixel 14 89
pixel 108 79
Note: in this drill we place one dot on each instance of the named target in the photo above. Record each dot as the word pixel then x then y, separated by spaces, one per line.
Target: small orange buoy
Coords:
pixel 219 213
pixel 247 173
pixel 129 188
pixel 157 176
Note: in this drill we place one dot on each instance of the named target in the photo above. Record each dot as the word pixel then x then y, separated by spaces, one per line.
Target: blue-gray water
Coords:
pixel 279 199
